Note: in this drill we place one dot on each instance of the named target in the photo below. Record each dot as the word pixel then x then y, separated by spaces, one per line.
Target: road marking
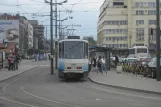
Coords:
pixel 16 102
pixel 98 99
pixel 116 92
pixel 13 101
pixel 5 86
pixel 53 101
pixel 121 93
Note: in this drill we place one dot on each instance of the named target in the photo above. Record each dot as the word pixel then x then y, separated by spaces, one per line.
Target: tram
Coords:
pixel 73 57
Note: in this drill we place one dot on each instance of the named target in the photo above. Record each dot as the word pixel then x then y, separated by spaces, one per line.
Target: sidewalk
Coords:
pixel 24 66
pixel 127 81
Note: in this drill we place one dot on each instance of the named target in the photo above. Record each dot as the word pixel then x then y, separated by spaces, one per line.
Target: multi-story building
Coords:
pixel 15 30
pixel 30 36
pixel 38 34
pixel 125 23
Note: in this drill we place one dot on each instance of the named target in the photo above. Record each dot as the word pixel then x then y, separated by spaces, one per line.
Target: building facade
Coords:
pixel 17 30
pixel 38 34
pixel 30 36
pixel 125 23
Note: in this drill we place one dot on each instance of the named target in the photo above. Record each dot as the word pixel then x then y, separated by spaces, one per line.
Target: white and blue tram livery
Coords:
pixel 73 57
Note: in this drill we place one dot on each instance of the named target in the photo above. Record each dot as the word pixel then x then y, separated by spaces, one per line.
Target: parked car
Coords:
pixel 151 68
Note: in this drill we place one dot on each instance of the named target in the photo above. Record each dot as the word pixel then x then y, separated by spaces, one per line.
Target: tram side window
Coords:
pixel 61 50
pixel 84 52
pixel 87 50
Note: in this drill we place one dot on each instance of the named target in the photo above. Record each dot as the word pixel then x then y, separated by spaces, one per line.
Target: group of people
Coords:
pixel 13 62
pixel 99 63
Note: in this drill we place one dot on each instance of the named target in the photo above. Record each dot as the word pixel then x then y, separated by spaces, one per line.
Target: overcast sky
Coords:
pixel 85 13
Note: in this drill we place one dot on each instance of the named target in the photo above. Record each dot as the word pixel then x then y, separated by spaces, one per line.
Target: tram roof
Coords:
pixel 73 40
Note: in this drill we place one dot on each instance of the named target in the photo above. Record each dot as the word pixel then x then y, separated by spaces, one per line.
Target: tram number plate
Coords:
pixel 73 66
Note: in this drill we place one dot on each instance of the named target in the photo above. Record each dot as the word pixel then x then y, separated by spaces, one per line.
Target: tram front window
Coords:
pixel 74 50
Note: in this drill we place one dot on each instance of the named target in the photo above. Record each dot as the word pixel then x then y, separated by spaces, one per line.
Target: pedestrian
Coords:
pixel 99 63
pixel 9 63
pixel 116 60
pixel 12 63
pixel 103 65
pixel 94 62
pixel 16 62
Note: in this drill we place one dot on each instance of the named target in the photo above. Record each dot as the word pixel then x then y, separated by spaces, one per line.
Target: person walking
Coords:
pixel 99 64
pixel 116 60
pixel 9 63
pixel 12 63
pixel 94 62
pixel 16 62
pixel 103 65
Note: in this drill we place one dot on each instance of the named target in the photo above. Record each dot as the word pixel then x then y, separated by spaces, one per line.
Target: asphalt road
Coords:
pixel 37 88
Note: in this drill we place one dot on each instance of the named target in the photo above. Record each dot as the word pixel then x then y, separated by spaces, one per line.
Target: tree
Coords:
pixel 90 39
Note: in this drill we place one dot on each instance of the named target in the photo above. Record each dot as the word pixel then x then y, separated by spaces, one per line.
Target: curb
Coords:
pixel 18 74
pixel 125 88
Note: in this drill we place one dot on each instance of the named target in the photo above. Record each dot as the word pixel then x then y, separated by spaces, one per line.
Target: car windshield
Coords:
pixel 141 50
pixel 131 51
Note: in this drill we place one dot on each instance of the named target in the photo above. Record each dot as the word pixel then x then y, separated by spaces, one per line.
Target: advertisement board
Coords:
pixel 9 31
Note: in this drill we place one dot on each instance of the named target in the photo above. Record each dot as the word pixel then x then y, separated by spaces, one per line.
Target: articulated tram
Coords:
pixel 73 57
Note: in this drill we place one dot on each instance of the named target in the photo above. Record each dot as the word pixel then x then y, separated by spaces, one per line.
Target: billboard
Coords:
pixel 9 31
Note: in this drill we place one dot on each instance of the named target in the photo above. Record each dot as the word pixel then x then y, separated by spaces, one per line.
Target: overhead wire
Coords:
pixel 40 10
pixel 22 9
pixel 36 1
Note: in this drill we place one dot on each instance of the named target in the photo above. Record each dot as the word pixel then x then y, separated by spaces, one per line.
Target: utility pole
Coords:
pixel 46 41
pixel 59 26
pixel 51 36
pixel 56 58
pixel 158 76
pixel 51 29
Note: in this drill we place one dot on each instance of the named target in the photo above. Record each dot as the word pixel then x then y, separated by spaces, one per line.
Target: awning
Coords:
pixel 11 45
pixel 2 46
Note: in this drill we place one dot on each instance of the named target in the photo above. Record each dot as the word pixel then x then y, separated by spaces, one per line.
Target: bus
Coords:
pixel 139 51
pixel 73 57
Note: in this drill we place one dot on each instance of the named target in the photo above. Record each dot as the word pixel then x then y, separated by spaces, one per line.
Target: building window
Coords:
pixel 139 12
pixel 139 4
pixel 139 22
pixel 139 33
pixel 120 45
pixel 151 4
pixel 152 22
pixel 110 45
pixel 115 22
pixel 125 37
pixel 152 12
pixel 126 45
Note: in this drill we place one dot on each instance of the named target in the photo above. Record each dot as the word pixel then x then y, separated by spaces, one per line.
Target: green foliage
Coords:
pixel 90 39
